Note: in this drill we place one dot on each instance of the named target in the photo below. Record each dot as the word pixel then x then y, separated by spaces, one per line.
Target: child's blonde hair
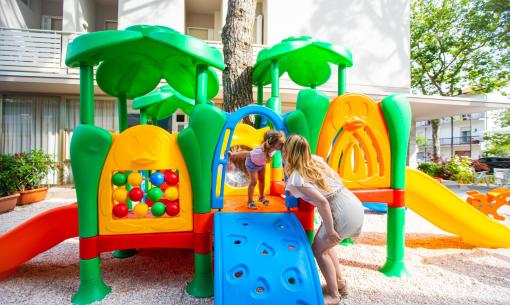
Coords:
pixel 271 137
pixel 299 158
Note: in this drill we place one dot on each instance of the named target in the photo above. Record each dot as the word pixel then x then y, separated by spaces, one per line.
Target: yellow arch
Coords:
pixel 361 151
pixel 144 147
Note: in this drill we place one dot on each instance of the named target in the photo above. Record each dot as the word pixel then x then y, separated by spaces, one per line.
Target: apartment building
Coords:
pixel 39 94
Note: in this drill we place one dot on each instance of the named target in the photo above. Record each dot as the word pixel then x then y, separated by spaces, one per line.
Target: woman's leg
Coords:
pixel 339 278
pixel 321 247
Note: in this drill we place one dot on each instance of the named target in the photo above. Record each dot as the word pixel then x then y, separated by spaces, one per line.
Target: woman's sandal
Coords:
pixel 329 300
pixel 252 205
pixel 264 201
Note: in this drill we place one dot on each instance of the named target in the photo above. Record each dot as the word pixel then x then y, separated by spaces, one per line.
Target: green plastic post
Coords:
pixel 395 265
pixel 347 242
pixel 87 94
pixel 92 287
pixel 342 83
pixel 143 118
pixel 197 144
pixel 122 107
pixel 397 114
pixel 201 94
pixel 310 234
pixel 260 101
pixel 89 148
pixel 275 79
pixel 311 108
pixel 202 284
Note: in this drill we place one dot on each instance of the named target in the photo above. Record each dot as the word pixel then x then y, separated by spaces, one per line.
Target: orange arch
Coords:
pixel 354 140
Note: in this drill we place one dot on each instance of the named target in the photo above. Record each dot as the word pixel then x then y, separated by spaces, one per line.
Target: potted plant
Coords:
pixel 8 192
pixel 30 171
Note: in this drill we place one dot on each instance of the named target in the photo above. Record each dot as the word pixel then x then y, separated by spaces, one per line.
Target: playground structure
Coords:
pixel 147 188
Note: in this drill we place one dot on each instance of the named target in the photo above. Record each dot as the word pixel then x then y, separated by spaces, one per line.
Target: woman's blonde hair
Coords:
pixel 299 158
pixel 271 137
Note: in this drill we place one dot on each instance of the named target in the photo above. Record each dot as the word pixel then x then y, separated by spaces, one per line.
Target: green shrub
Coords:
pixel 458 169
pixel 31 169
pixel 7 181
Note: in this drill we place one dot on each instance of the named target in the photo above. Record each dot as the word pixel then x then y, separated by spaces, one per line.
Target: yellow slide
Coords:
pixel 449 212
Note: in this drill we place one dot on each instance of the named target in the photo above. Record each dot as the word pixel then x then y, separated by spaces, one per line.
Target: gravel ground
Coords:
pixel 444 270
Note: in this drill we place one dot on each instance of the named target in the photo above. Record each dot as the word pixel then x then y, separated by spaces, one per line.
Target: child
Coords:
pixel 310 178
pixel 256 164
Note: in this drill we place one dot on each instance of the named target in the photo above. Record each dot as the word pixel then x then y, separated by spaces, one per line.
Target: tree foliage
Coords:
pixel 459 43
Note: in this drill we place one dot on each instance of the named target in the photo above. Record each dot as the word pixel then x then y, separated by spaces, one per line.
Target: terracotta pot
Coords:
pixel 438 179
pixel 32 196
pixel 8 203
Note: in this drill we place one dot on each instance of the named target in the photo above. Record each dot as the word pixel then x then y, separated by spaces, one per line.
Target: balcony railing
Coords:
pixel 474 140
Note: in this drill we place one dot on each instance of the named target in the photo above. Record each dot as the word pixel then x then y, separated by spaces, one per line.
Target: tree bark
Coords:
pixel 436 147
pixel 237 36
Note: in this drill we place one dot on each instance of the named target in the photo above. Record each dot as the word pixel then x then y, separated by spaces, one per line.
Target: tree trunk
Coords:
pixel 436 147
pixel 237 36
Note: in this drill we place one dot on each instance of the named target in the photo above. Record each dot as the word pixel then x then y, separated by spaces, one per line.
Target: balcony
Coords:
pixel 466 140
pixel 40 55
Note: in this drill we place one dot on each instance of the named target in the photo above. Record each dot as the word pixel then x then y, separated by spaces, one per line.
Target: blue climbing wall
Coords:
pixel 263 258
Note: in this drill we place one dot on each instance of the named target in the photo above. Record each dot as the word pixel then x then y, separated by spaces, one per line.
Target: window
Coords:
pixel 52 23
pixel 179 121
pixel 110 25
pixel 202 33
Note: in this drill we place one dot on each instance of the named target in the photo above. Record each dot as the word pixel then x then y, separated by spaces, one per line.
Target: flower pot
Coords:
pixel 32 196
pixel 8 203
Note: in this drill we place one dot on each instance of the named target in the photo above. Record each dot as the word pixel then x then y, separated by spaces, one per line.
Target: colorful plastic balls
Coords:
pixel 172 193
pixel 149 202
pixel 171 178
pixel 164 186
pixel 119 179
pixel 120 195
pixel 136 194
pixel 135 179
pixel 172 208
pixel 120 210
pixel 155 194
pixel 157 178
pixel 141 210
pixel 158 209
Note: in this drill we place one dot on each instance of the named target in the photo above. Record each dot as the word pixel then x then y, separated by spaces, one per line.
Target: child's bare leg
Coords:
pixel 320 249
pixel 261 175
pixel 339 278
pixel 251 186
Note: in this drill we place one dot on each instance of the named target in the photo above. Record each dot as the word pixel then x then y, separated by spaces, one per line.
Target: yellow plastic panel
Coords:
pixel 361 152
pixel 144 148
pixel 250 137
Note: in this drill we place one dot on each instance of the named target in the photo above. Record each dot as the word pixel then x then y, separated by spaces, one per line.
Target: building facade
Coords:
pixel 39 94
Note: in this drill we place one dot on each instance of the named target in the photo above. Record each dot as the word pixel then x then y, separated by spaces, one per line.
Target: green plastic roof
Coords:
pixel 305 60
pixel 163 102
pixel 133 61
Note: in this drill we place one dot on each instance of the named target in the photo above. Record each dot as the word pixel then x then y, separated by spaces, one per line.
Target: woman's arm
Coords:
pixel 323 207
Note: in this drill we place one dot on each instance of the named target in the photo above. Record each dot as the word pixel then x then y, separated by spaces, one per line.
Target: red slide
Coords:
pixel 35 236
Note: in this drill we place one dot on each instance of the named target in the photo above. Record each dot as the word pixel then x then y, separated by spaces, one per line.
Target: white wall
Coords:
pixel 169 13
pixel 15 14
pixel 79 16
pixel 376 31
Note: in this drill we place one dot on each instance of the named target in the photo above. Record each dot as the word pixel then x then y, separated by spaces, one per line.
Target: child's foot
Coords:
pixel 332 299
pixel 342 287
pixel 252 205
pixel 264 201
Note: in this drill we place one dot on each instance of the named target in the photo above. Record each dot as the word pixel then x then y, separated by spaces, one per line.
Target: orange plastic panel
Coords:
pixel 361 152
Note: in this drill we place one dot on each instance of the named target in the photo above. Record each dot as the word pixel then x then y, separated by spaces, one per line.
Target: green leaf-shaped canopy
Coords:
pixel 305 60
pixel 133 61
pixel 163 102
